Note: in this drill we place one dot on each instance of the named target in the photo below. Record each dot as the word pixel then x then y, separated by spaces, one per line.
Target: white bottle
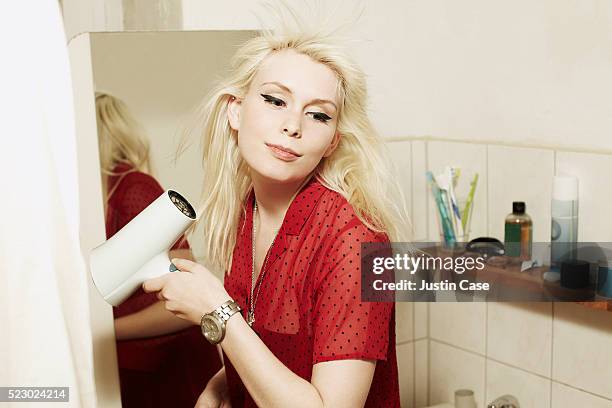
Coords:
pixel 564 227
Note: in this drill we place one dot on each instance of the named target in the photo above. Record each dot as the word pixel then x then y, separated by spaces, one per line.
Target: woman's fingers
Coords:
pixel 185 265
pixel 155 284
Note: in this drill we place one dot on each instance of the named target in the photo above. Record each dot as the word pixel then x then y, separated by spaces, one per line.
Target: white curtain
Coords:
pixel 45 335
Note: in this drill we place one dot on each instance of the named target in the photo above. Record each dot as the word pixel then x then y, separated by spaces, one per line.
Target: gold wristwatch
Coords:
pixel 213 323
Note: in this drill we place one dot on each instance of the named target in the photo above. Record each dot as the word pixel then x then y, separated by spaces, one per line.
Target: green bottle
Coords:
pixel 518 232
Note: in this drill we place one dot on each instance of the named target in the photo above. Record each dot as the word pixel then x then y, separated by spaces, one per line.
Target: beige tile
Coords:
pixel 404 322
pixel 400 153
pixel 582 352
pixel 405 366
pixel 421 317
pixel 453 369
pixel 460 324
pixel 530 390
pixel 520 334
pixel 594 192
pixel 567 397
pixel 421 371
pixel 471 158
pixel 419 190
pixel 520 174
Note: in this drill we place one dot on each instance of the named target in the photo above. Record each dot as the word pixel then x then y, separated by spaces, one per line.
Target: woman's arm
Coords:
pixel 338 384
pixel 151 321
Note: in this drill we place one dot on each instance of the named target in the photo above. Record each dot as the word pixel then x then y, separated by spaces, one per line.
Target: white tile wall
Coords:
pixel 567 397
pixel 594 173
pixel 520 334
pixel 420 190
pixel 421 320
pixel 582 348
pixel 452 369
pixel 421 373
pixel 400 153
pixel 530 390
pixel 405 366
pixel 520 174
pixel 404 322
pixel 460 324
pixel 471 158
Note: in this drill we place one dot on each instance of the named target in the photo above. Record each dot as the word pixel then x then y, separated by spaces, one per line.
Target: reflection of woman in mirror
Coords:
pixel 294 182
pixel 155 348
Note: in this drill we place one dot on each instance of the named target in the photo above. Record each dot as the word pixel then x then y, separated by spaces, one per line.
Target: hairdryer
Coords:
pixel 139 250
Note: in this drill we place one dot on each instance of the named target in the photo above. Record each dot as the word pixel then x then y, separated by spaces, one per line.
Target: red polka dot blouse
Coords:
pixel 309 308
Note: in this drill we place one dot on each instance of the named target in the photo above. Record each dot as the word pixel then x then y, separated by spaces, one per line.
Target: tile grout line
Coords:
pixel 486 351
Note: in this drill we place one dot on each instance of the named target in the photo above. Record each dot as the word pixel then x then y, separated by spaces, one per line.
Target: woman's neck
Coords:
pixel 274 199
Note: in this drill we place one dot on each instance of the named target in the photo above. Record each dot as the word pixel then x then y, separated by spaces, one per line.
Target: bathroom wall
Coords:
pixel 548 355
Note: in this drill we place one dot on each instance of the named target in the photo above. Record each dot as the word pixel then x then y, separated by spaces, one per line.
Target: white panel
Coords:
pixel 421 373
pixel 405 366
pixel 421 319
pixel 520 334
pixel 594 172
pixel 400 155
pixel 530 390
pixel 460 324
pixel 520 174
pixel 452 369
pixel 420 191
pixel 581 348
pixel 567 397
pixel 404 326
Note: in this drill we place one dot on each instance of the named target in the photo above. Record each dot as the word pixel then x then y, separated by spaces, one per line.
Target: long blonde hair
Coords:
pixel 357 169
pixel 120 140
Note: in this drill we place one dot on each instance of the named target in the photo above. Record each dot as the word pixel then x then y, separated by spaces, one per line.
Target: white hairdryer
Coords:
pixel 139 250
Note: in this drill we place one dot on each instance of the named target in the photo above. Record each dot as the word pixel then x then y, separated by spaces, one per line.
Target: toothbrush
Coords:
pixel 451 189
pixel 469 203
pixel 447 226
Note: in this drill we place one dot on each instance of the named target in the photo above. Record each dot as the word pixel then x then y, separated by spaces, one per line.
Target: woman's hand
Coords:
pixel 189 293
pixel 215 395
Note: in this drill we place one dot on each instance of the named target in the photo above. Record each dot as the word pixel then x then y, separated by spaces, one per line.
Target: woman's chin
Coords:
pixel 280 175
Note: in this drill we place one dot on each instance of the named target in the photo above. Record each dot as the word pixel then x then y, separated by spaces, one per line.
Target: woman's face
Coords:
pixel 287 121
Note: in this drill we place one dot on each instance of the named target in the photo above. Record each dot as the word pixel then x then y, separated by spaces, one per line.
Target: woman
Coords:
pixel 155 349
pixel 294 182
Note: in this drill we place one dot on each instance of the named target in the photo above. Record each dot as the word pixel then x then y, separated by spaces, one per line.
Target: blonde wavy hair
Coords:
pixel 357 169
pixel 120 140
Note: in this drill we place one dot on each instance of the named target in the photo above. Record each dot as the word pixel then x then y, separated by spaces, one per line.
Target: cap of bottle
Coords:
pixel 518 207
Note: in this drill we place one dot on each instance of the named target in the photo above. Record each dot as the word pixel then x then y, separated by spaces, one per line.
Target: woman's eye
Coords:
pixel 320 116
pixel 274 101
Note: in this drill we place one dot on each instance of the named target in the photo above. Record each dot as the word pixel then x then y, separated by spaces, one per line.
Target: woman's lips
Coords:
pixel 282 153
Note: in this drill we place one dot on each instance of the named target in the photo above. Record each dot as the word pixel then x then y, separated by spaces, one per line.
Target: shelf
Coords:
pixel 507 274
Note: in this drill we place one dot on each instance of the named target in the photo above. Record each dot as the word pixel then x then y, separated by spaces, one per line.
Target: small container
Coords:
pixel 465 399
pixel 575 274
pixel 518 233
pixel 604 279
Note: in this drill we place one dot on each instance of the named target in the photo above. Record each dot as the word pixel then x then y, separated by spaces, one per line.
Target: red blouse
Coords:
pixel 165 371
pixel 309 308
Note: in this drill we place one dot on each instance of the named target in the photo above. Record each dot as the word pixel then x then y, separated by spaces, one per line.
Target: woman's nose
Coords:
pixel 291 127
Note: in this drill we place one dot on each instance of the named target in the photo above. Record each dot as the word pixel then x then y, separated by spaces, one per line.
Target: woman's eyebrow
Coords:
pixel 286 89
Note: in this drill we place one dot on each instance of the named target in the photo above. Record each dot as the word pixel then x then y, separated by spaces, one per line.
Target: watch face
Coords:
pixel 212 329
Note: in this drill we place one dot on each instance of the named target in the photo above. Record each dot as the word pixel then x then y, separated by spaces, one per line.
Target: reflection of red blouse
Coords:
pixel 165 371
pixel 309 308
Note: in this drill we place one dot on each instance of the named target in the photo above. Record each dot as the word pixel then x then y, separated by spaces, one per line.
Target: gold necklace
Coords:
pixel 251 314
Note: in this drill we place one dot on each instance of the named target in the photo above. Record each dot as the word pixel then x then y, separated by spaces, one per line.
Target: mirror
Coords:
pixel 155 80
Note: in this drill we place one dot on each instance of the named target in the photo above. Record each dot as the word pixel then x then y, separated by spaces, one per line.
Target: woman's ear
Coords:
pixel 233 112
pixel 332 146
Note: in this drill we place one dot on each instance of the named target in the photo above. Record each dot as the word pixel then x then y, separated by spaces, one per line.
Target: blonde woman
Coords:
pixel 154 347
pixel 294 182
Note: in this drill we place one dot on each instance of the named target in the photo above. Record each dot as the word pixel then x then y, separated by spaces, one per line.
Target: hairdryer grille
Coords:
pixel 182 204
